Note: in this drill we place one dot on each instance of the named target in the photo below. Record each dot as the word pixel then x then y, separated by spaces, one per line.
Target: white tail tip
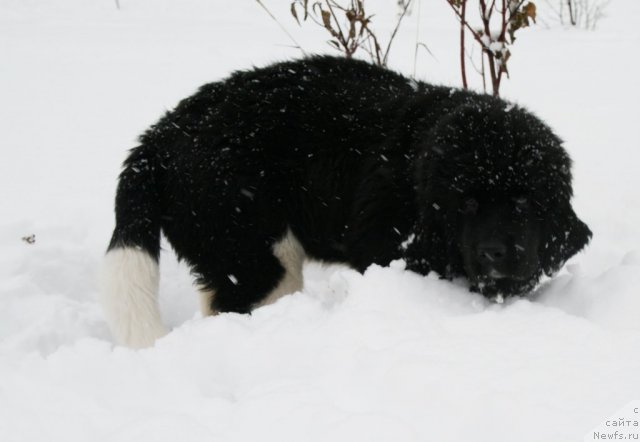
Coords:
pixel 129 297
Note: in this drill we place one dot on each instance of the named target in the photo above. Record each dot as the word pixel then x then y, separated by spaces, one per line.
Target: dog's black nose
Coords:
pixel 492 252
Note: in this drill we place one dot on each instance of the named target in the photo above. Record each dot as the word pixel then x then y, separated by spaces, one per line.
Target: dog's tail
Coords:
pixel 131 274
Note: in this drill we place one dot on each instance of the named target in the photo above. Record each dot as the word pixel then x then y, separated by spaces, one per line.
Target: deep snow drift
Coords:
pixel 384 356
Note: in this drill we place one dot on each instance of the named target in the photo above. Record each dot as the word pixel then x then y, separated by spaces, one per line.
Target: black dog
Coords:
pixel 336 160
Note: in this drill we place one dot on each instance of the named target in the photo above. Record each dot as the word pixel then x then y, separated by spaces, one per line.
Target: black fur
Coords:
pixel 364 166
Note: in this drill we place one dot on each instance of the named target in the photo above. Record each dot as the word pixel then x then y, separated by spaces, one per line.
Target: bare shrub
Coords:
pixel 580 13
pixel 349 25
pixel 500 20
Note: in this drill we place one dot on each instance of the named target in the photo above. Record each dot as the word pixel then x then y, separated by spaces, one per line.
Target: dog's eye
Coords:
pixel 470 206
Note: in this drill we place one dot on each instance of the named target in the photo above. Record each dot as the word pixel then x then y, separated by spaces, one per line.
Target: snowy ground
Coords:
pixel 385 356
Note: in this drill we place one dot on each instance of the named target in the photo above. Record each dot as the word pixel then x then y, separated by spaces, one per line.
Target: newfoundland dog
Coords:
pixel 336 160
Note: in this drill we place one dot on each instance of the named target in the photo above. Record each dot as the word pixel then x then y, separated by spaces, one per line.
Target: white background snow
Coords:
pixel 384 356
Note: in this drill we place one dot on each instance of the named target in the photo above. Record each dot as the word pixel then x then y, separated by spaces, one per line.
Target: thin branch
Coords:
pixel 463 68
pixel 488 52
pixel 340 34
pixel 503 15
pixel 395 31
pixel 485 19
pixel 376 45
pixel 490 10
pixel 415 50
pixel 473 64
pixel 484 77
pixel 475 34
pixel 571 17
pixel 297 45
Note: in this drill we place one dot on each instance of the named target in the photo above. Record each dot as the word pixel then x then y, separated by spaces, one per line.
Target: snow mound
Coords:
pixel 609 299
pixel 385 355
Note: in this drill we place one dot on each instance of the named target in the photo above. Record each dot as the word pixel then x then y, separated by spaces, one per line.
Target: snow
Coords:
pixel 388 355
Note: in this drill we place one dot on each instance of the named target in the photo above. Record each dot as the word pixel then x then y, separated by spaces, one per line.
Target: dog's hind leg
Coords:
pixel 291 255
pixel 251 276
pixel 206 301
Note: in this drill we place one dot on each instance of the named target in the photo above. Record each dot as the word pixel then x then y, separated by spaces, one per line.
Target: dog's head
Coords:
pixel 494 190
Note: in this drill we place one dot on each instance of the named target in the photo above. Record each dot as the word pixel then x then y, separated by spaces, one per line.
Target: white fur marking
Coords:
pixel 206 298
pixel 130 297
pixel 291 255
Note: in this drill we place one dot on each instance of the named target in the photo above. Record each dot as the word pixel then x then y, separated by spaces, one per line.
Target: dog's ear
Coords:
pixel 564 235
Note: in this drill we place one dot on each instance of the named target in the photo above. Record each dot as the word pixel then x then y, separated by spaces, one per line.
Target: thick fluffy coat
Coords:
pixel 342 161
